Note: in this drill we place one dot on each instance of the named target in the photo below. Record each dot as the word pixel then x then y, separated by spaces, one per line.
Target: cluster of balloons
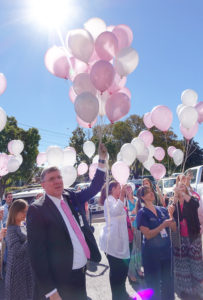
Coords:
pixel 161 117
pixel 11 163
pixel 65 159
pixel 140 148
pixel 190 113
pixel 97 59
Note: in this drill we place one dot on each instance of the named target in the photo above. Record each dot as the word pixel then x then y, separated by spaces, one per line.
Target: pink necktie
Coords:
pixel 75 227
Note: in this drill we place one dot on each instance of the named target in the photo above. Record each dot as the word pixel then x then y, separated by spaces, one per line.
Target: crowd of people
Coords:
pixel 45 247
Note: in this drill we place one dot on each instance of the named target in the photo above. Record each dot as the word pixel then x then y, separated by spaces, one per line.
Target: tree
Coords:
pixel 30 138
pixel 76 141
pixel 194 155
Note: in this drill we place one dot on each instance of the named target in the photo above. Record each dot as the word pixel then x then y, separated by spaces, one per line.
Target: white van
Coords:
pixel 197 180
pixel 167 185
pixel 28 195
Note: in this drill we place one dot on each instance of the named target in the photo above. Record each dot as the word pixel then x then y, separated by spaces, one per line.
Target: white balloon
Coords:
pixel 54 156
pixel 95 159
pixel 3 83
pixel 128 153
pixel 189 97
pixel 69 156
pixel 149 163
pixel 179 108
pixel 143 156
pixel 188 116
pixel 41 158
pixel 178 157
pixel 86 107
pixel 139 145
pixel 126 61
pixel 80 43
pixel 16 147
pixel 82 83
pixel 13 165
pixel 19 158
pixel 119 156
pixel 69 175
pixel 95 26
pixel 89 148
pixel 151 149
pixel 3 119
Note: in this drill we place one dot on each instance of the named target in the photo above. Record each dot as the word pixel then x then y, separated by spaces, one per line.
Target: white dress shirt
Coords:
pixel 79 257
pixel 114 236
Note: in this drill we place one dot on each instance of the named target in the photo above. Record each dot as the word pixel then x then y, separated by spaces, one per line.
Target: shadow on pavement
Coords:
pixel 99 269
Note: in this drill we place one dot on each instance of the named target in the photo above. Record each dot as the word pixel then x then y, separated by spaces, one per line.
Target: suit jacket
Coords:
pixel 49 242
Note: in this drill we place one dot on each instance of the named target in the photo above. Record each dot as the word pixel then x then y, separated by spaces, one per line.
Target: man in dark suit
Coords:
pixel 57 254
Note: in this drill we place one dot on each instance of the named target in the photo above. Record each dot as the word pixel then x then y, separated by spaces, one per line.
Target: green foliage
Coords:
pixel 30 139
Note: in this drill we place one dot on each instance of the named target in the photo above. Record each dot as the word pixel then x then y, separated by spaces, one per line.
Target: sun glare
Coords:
pixel 52 13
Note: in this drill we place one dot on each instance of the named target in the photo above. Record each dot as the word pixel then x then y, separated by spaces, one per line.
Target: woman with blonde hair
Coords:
pixel 19 281
pixel 188 263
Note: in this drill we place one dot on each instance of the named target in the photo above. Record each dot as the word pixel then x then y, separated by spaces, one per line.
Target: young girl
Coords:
pixel 19 278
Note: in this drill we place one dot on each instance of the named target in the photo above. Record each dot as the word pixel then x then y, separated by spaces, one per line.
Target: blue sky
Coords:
pixel 168 36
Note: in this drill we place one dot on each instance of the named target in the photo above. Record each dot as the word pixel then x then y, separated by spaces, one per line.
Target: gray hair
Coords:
pixel 47 171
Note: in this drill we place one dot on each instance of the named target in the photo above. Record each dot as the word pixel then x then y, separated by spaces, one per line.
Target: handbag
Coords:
pixel 95 254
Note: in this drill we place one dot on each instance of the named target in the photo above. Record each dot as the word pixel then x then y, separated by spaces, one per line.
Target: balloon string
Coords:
pixel 186 155
pixel 166 150
pixel 64 46
pixel 107 205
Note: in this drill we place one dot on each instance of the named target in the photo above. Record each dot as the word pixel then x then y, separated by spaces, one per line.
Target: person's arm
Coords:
pixel 151 233
pixel 37 246
pixel 15 245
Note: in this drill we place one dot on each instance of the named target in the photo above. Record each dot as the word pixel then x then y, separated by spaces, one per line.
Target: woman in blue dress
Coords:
pixel 154 223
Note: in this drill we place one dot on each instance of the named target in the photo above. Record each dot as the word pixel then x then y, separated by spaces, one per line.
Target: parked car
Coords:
pixel 197 180
pixel 167 185
pixel 94 205
pixel 28 194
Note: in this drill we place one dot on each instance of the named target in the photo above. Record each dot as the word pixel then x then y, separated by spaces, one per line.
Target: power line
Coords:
pixel 42 129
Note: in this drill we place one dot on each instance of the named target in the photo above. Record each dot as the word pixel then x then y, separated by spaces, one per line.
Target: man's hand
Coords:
pixel 55 296
pixel 102 151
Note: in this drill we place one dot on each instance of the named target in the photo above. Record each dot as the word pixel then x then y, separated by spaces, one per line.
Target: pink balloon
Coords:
pixel 4 158
pixel 158 171
pixel 106 45
pixel 162 117
pixel 3 172
pixel 41 158
pixel 92 170
pixel 82 168
pixel 102 75
pixel 3 83
pixel 147 120
pixel 199 108
pixel 56 62
pixel 159 153
pixel 72 94
pixel 85 124
pixel 124 35
pixel 77 67
pixel 147 137
pixel 117 106
pixel 126 91
pixel 93 59
pixel 189 133
pixel 117 84
pixel 120 172
pixel 170 150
